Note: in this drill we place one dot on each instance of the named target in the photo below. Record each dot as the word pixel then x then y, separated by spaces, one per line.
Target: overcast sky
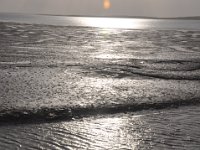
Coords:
pixel 156 8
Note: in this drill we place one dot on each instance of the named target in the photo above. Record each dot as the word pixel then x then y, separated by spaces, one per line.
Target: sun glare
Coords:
pixel 114 23
pixel 106 4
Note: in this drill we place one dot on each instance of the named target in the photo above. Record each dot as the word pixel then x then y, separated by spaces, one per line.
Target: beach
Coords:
pixel 98 88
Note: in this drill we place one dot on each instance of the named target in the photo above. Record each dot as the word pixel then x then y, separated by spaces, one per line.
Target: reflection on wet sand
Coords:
pixel 60 68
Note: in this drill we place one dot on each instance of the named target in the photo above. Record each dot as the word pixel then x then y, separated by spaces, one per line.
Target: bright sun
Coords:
pixel 106 4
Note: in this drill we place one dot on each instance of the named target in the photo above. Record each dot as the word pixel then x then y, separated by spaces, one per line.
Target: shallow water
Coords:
pixel 164 129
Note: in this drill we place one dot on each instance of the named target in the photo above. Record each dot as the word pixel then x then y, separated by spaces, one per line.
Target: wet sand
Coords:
pixel 61 73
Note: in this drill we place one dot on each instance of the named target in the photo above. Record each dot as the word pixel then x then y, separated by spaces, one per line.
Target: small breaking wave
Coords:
pixel 70 113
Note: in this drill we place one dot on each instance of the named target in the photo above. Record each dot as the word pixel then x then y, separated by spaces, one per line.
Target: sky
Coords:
pixel 150 8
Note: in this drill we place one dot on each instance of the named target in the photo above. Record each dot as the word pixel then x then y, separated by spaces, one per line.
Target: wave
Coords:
pixel 69 113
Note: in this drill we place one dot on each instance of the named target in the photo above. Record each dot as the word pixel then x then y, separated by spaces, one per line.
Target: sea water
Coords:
pixel 130 23
pixel 49 74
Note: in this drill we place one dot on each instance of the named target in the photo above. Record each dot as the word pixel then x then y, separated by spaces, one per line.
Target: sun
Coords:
pixel 106 4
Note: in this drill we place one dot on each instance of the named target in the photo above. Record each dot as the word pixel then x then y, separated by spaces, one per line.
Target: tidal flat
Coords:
pixel 53 73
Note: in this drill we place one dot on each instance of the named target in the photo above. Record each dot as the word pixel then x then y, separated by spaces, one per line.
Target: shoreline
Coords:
pixel 146 74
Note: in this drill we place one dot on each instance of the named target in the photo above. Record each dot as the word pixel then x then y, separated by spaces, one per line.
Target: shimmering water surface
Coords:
pixel 116 83
pixel 166 129
pixel 129 23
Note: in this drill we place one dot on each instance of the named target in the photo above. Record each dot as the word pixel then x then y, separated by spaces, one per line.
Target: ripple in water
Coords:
pixel 166 129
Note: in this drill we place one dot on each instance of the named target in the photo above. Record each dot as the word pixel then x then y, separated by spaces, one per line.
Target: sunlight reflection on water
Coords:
pixel 114 23
pixel 165 129
pixel 111 56
pixel 129 23
pixel 107 133
pixel 107 49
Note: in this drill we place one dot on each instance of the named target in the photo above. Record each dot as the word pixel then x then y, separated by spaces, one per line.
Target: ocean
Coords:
pixel 99 83
pixel 129 23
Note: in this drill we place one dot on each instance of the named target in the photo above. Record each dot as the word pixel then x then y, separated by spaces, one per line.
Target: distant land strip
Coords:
pixel 136 17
